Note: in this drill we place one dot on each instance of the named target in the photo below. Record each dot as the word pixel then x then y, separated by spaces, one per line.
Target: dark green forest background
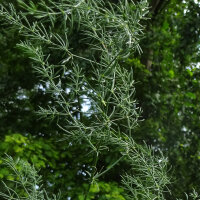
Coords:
pixel 167 90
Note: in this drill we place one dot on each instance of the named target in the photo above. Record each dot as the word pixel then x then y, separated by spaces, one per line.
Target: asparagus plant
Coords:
pixel 110 33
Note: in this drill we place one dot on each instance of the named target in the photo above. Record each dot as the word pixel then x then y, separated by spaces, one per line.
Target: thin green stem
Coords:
pixel 95 160
pixel 110 167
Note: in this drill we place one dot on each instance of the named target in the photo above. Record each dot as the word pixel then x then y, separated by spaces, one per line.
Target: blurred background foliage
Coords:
pixel 167 76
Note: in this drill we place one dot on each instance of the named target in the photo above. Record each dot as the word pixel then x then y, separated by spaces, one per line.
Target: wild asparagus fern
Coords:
pixel 109 33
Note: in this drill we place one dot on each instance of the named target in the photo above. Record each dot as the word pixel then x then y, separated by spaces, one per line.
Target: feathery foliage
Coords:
pixel 27 181
pixel 110 33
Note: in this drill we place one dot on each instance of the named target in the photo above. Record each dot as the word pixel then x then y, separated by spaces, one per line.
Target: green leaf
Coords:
pixel 171 73
pixel 191 95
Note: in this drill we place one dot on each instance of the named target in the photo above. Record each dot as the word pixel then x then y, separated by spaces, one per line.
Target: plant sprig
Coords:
pixel 111 32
